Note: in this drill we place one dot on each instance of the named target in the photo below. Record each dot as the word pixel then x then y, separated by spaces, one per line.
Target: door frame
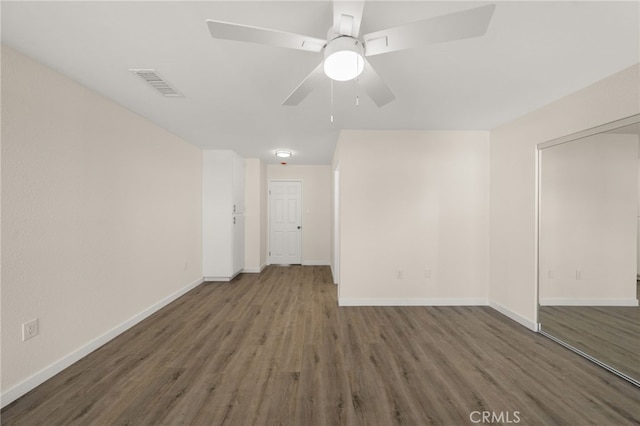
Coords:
pixel 269 216
pixel 336 227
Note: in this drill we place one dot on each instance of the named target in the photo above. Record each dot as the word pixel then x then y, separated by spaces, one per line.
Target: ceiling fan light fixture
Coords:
pixel 283 153
pixel 343 59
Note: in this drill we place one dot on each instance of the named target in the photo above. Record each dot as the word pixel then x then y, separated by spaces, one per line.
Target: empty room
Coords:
pixel 320 212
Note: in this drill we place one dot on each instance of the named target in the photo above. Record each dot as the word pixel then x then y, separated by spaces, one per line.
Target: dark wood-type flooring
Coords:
pixel 275 349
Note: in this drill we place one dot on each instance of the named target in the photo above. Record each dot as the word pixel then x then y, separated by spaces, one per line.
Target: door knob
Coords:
pixel 299 227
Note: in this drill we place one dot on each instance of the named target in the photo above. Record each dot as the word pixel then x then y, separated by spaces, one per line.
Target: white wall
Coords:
pixel 588 215
pixel 101 219
pixel 415 202
pixel 316 208
pixel 513 181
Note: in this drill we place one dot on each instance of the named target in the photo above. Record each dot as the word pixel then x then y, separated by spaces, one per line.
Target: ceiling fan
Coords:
pixel 345 51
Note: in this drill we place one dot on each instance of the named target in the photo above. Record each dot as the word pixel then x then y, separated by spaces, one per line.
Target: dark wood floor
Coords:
pixel 275 349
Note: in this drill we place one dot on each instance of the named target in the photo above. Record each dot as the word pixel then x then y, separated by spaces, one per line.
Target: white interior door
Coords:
pixel 285 222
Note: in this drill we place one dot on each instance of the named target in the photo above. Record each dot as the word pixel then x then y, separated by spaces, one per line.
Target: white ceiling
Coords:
pixel 533 53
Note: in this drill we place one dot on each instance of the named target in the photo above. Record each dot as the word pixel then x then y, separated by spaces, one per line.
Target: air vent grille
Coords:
pixel 156 81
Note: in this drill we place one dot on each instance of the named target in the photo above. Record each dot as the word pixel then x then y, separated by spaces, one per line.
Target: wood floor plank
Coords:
pixel 280 408
pixel 275 349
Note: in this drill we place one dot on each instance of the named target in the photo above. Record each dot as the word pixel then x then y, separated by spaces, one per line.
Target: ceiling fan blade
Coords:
pixel 308 84
pixel 239 32
pixel 455 26
pixel 374 86
pixel 347 16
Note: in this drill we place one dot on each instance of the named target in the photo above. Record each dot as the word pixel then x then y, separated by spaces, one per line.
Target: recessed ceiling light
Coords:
pixel 283 153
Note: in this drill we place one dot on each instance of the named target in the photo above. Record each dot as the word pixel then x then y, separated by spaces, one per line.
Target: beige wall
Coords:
pixel 588 216
pixel 413 204
pixel 255 231
pixel 513 181
pixel 264 216
pixel 101 219
pixel 316 208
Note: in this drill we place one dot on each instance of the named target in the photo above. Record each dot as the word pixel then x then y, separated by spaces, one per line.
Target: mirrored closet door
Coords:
pixel 588 244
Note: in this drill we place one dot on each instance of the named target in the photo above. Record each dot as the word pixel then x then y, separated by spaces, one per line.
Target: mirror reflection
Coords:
pixel 588 246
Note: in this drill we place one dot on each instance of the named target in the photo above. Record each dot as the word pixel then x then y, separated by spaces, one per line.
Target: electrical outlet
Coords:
pixel 550 275
pixel 578 274
pixel 427 274
pixel 399 274
pixel 29 329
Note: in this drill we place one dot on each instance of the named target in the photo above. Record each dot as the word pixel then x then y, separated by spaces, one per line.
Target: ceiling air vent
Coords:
pixel 156 81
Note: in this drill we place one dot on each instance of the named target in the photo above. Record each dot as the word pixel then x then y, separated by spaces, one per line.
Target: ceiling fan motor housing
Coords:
pixel 343 58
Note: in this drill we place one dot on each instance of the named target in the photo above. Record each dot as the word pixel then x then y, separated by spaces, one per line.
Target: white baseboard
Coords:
pixel 412 302
pixel 439 302
pixel 45 374
pixel 315 263
pixel 588 302
pixel 254 270
pixel 514 316
pixel 222 279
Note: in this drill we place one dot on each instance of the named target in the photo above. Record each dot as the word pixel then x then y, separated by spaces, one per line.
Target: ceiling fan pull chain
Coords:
pixel 357 81
pixel 332 101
